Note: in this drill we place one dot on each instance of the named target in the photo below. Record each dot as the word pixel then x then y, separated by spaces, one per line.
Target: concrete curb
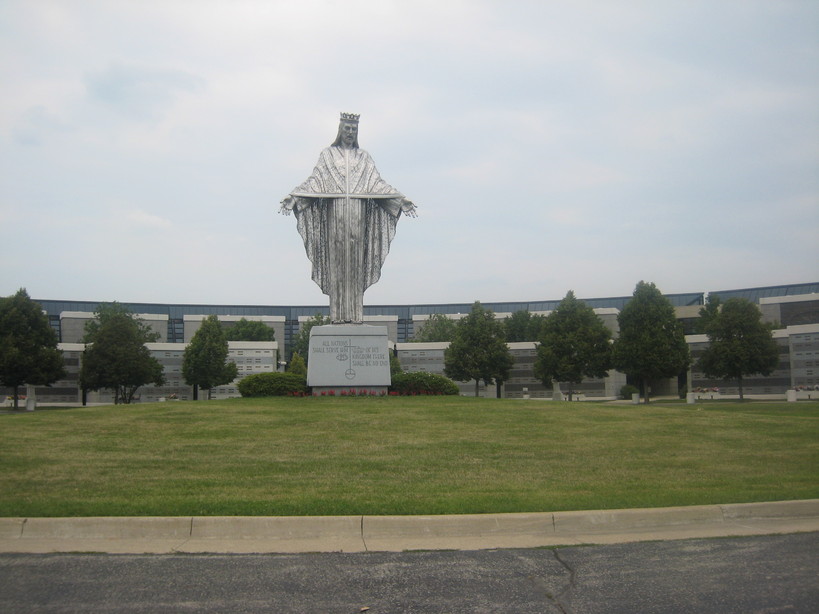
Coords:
pixel 236 534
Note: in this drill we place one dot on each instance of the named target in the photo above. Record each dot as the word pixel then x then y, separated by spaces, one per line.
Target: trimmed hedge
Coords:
pixel 272 385
pixel 420 382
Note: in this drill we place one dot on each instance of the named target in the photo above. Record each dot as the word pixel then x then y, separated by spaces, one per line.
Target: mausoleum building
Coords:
pixel 793 308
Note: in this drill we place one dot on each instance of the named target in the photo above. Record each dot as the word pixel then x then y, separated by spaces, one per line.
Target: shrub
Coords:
pixel 272 385
pixel 628 390
pixel 297 365
pixel 395 365
pixel 420 382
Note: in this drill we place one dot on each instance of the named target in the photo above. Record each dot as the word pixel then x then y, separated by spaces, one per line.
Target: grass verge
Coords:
pixel 404 455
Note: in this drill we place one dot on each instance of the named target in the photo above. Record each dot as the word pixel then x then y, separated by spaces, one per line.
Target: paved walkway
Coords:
pixel 400 533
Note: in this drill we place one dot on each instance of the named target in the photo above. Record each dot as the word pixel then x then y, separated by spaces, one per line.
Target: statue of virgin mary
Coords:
pixel 346 215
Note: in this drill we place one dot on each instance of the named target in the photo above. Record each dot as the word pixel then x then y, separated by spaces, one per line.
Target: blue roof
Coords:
pixel 177 311
pixel 754 294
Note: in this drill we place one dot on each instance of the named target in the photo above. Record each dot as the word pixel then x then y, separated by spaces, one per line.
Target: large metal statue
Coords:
pixel 346 215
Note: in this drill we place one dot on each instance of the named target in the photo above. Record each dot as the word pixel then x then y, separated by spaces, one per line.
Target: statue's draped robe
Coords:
pixel 346 216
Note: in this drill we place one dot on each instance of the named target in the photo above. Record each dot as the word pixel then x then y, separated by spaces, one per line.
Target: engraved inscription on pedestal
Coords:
pixel 349 357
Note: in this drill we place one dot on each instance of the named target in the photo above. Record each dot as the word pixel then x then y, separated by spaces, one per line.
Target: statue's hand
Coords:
pixel 287 205
pixel 409 208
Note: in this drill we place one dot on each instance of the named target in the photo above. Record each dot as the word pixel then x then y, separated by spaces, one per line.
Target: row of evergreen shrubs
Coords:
pixel 419 382
pixel 294 384
pixel 272 385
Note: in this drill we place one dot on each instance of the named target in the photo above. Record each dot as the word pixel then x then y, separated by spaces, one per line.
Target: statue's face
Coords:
pixel 349 133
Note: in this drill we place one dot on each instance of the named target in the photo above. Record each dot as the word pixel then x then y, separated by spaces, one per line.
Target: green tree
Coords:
pixel 479 350
pixel 574 344
pixel 250 330
pixel 301 342
pixel 205 362
pixel 395 365
pixel 651 344
pixel 297 365
pixel 28 345
pixel 116 357
pixel 708 313
pixel 523 325
pixel 740 343
pixel 106 312
pixel 437 328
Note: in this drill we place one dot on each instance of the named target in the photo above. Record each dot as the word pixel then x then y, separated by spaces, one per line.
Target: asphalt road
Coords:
pixel 769 574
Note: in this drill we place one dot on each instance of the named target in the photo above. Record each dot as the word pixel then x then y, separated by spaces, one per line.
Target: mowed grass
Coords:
pixel 407 455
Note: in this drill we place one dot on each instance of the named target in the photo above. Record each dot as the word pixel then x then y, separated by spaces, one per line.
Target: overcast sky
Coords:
pixel 549 146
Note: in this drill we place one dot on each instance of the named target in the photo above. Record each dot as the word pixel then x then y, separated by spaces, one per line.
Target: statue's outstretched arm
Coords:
pixel 287 205
pixel 409 208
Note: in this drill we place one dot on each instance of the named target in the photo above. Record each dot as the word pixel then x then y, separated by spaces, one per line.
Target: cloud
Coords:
pixel 141 93
pixel 548 145
pixel 35 124
pixel 140 218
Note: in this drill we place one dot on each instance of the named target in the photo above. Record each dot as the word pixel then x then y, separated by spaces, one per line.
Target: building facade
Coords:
pixel 793 308
pixel 249 356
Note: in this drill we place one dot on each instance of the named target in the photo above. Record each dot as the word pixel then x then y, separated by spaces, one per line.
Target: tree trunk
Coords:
pixel 571 391
pixel 739 384
pixel 477 385
pixel 644 390
pixel 16 396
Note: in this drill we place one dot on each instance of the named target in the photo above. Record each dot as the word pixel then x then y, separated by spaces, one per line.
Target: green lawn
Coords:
pixel 402 455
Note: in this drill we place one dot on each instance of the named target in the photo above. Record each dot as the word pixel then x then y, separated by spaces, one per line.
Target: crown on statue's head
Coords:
pixel 350 117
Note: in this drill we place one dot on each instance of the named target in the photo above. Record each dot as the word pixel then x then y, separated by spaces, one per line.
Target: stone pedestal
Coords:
pixel 349 357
